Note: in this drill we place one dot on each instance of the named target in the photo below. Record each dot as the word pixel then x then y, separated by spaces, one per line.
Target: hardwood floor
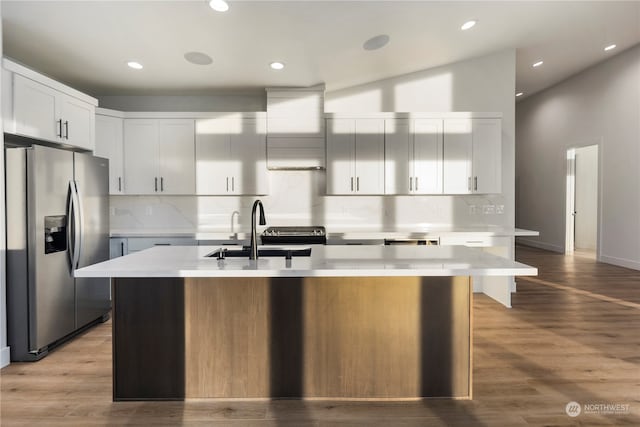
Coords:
pixel 573 334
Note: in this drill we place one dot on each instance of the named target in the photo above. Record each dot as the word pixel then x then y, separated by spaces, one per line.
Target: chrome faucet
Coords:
pixel 253 249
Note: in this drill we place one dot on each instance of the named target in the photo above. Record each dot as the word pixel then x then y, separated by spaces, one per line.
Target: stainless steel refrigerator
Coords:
pixel 57 221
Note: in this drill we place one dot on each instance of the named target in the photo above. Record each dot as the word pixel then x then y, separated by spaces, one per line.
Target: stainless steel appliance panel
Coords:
pixel 45 242
pixel 17 259
pixel 50 293
pixel 51 284
pixel 92 184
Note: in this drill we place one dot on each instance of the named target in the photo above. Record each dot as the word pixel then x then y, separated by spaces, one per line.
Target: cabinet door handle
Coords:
pixel 469 183
pixel 121 248
pixel 156 185
pixel 227 184
pixel 410 183
pixel 59 134
pixel 66 129
pixel 475 183
pixel 119 183
pixel 351 183
pixel 161 183
pixel 357 183
pixel 416 183
pixel 233 183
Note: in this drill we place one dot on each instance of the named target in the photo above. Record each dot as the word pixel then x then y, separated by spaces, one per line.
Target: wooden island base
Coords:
pixel 308 337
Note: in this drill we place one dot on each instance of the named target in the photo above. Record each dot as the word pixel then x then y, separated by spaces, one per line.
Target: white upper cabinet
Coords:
pixel 176 156
pixel 458 145
pixel 487 156
pixel 159 156
pixel 109 144
pixel 231 156
pixel 341 156
pixel 413 156
pixel 38 107
pixel 141 156
pixel 355 156
pixel 35 108
pixel 472 156
pixel 77 122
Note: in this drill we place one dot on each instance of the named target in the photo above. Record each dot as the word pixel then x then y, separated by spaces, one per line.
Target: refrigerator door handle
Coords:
pixel 77 226
pixel 78 215
pixel 70 224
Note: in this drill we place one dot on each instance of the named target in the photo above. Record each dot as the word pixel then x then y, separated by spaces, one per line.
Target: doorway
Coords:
pixel 582 201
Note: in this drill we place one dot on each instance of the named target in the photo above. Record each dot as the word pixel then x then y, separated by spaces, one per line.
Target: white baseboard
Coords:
pixel 540 245
pixel 621 262
pixel 5 357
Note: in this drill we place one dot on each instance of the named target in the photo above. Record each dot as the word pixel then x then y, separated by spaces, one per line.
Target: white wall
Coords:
pixel 4 350
pixel 483 84
pixel 598 106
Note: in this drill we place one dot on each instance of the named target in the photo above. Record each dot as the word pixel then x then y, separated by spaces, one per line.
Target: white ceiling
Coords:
pixel 86 44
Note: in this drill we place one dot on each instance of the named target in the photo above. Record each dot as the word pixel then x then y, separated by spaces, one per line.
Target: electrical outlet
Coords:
pixel 488 209
pixel 149 210
pixel 499 209
pixel 473 209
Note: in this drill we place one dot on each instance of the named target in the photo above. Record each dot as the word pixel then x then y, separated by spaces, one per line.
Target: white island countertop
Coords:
pixel 325 261
pixel 336 232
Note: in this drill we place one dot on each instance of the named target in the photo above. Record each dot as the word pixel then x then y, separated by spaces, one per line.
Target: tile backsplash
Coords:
pixel 297 198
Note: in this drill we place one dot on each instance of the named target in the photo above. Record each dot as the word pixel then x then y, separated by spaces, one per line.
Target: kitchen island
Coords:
pixel 363 322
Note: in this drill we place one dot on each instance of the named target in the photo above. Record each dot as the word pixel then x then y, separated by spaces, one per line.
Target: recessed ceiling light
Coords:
pixel 610 47
pixel 376 42
pixel 135 65
pixel 539 63
pixel 219 5
pixel 198 58
pixel 469 24
pixel 519 94
pixel 277 65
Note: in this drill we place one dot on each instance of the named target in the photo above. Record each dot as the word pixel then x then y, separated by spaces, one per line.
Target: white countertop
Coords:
pixel 325 261
pixel 347 233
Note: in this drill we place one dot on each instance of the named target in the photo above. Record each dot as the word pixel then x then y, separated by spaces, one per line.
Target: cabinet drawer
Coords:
pixel 475 241
pixel 466 241
pixel 140 243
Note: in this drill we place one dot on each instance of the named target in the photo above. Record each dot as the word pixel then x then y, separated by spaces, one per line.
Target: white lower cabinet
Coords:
pixel 497 287
pixel 120 246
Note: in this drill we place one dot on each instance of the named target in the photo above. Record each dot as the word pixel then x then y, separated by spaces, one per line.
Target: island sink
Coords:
pixel 288 253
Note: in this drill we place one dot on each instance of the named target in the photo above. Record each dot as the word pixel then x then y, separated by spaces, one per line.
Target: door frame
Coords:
pixel 570 195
